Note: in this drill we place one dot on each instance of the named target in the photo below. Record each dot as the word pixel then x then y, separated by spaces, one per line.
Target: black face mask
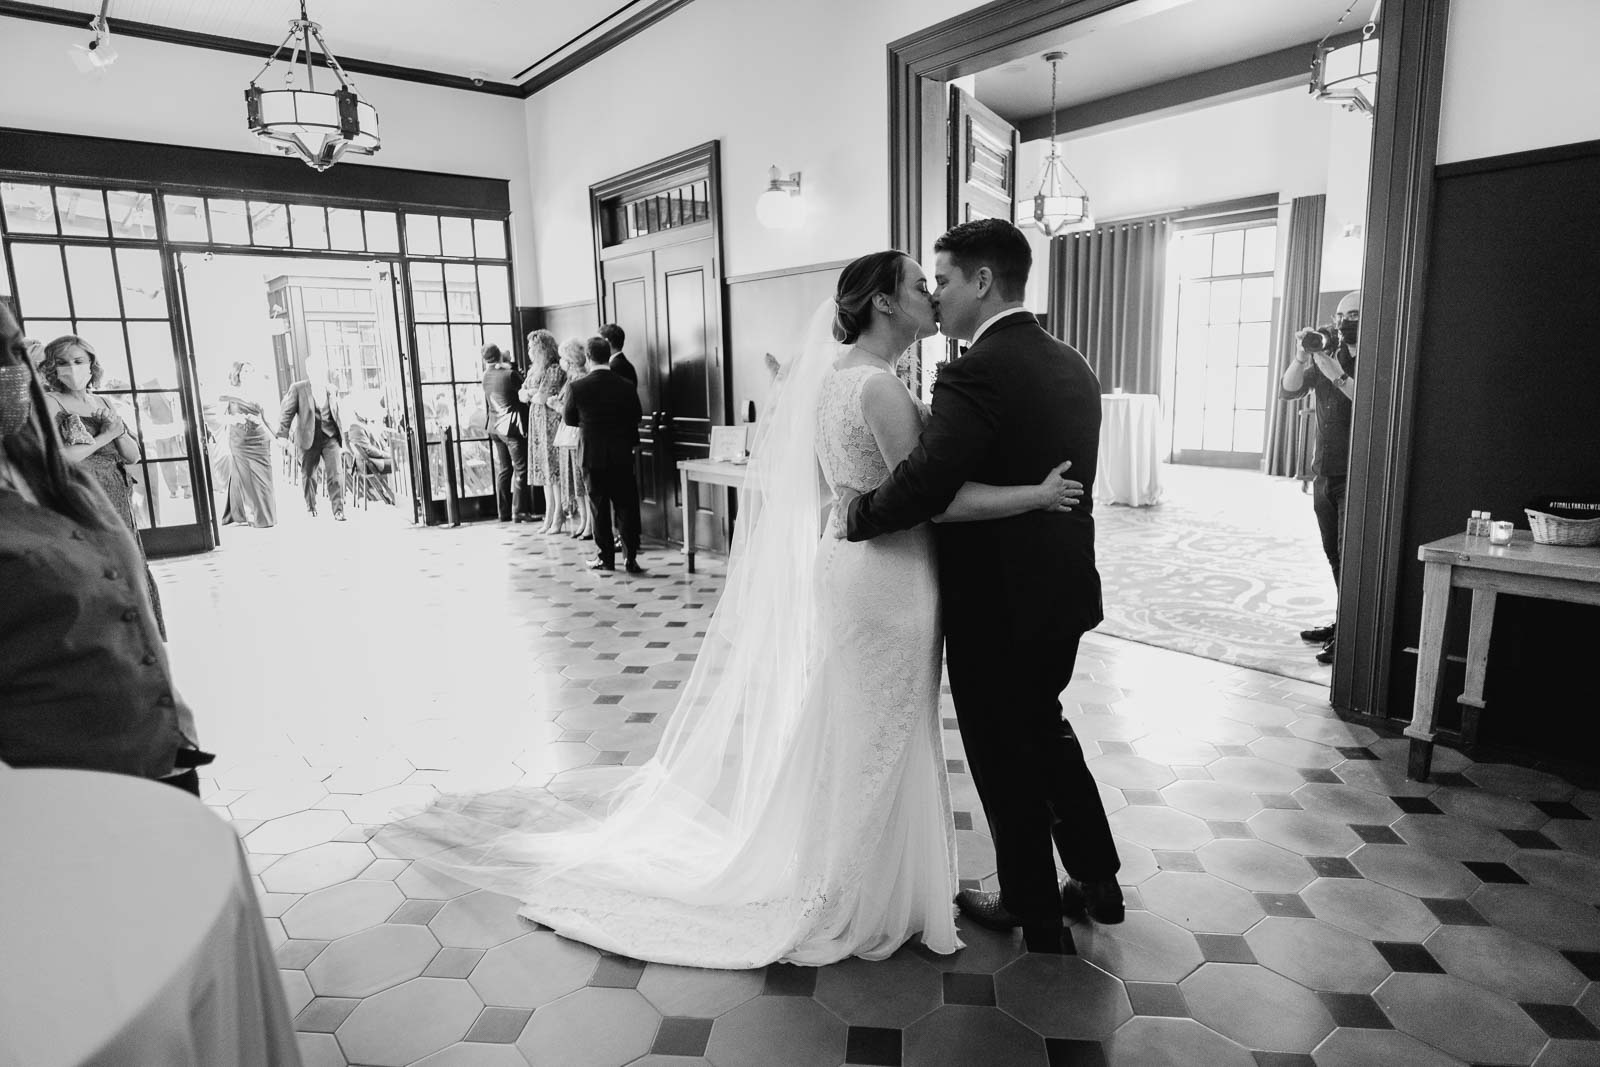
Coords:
pixel 1350 331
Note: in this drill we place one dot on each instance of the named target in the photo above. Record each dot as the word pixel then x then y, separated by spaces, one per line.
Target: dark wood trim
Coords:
pixel 1398 222
pixel 68 156
pixel 79 20
pixel 569 305
pixel 1256 76
pixel 588 53
pixel 1513 160
pixel 1394 271
pixel 789 272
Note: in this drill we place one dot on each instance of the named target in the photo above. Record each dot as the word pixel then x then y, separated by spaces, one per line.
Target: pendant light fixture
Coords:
pixel 319 127
pixel 1056 205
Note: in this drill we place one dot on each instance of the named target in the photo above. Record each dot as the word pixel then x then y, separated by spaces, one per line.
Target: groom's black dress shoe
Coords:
pixel 987 910
pixel 1318 635
pixel 1099 899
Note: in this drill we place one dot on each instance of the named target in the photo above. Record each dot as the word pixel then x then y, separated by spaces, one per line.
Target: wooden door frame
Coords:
pixel 1398 227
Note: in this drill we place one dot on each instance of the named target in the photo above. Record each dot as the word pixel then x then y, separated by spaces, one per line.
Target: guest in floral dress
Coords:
pixel 574 482
pixel 93 435
pixel 544 382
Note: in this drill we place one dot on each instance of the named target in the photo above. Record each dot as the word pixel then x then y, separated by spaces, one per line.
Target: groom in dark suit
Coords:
pixel 605 408
pixel 1018 593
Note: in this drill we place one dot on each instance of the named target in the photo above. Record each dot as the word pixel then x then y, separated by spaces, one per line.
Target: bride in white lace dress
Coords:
pixel 797 807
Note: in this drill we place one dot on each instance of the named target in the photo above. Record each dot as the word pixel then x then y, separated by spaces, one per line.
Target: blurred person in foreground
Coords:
pixel 84 677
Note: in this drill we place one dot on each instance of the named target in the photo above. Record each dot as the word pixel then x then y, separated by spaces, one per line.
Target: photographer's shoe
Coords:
pixel 1099 899
pixel 1326 655
pixel 1319 635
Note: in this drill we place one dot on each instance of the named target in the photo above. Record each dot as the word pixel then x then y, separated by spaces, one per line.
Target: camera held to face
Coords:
pixel 1321 339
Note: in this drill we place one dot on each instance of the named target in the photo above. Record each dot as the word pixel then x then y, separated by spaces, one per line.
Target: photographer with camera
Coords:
pixel 1325 364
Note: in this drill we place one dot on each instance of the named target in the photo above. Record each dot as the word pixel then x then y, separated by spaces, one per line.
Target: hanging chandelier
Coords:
pixel 317 126
pixel 1055 207
pixel 1349 75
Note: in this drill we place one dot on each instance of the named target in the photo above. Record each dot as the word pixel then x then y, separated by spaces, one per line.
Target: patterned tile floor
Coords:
pixel 1293 898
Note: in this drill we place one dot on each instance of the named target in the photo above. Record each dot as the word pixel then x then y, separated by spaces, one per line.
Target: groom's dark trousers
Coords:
pixel 1017 594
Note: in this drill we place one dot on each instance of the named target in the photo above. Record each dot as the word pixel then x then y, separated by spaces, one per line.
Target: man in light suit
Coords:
pixel 619 363
pixel 313 409
pixel 605 408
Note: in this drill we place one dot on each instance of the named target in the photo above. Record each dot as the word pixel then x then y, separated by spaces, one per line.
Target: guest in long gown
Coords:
pixel 543 384
pixel 93 436
pixel 574 482
pixel 252 500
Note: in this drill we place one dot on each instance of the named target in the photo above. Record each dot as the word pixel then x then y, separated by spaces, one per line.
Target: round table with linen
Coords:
pixel 129 930
pixel 1129 468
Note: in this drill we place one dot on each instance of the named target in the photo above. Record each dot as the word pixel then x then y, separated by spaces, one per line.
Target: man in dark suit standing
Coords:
pixel 1018 593
pixel 605 408
pixel 313 409
pixel 619 363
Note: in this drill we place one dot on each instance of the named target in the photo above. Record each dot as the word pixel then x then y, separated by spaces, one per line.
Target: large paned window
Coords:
pixel 87 262
pixel 1224 348
pixel 460 292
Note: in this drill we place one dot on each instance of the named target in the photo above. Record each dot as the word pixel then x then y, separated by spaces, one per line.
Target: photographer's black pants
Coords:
pixel 1327 499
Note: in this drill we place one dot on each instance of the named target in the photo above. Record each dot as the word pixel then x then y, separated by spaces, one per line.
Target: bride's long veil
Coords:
pixel 683 826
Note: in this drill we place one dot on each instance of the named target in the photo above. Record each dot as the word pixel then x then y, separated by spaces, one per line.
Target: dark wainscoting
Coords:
pixel 1508 407
pixel 566 321
pixel 769 312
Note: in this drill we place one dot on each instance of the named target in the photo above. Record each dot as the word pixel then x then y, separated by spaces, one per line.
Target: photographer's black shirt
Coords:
pixel 1333 414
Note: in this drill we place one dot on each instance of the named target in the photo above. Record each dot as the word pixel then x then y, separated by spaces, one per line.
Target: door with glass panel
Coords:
pixel 1222 380
pixel 89 262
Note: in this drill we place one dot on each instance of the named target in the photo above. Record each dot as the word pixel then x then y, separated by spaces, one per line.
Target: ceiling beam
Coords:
pixel 1257 76
pixel 631 26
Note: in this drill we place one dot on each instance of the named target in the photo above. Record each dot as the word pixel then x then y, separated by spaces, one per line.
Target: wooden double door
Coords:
pixel 666 296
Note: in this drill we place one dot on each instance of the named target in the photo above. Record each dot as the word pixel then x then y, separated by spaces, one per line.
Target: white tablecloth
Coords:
pixel 1130 450
pixel 129 932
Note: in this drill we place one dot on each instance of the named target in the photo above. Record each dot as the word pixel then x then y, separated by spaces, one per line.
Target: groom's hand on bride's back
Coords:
pixel 1058 492
pixel 839 522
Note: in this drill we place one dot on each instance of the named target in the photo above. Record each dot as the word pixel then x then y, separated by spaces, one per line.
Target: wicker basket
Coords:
pixel 1555 530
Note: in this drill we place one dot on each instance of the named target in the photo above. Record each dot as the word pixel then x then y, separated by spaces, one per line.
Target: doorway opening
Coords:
pixel 255 324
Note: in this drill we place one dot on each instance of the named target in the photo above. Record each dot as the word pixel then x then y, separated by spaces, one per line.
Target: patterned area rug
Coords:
pixel 1227 567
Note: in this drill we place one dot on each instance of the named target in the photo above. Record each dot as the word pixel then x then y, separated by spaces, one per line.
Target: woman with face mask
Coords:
pixel 84 677
pixel 93 436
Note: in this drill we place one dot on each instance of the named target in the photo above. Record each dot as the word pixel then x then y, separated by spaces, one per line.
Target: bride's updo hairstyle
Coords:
pixel 864 278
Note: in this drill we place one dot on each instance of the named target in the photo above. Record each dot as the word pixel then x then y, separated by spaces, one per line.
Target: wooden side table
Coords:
pixel 1522 568
pixel 692 473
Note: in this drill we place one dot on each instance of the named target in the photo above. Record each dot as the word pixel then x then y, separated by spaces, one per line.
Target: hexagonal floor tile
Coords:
pixel 368 775
pixel 317 867
pixel 895 992
pixel 1524 783
pixel 1459 1018
pixel 1490 809
pixel 1369 910
pixel 1212 800
pixel 372 960
pixel 420 882
pixel 1169 749
pixel 1295 752
pixel 958 1033
pixel 479 920
pixel 329 914
pixel 1414 871
pixel 1143 948
pixel 1257 866
pixel 1201 902
pixel 296 990
pixel 401 1025
pixel 1159 1042
pixel 1504 963
pixel 1453 838
pixel 384 805
pixel 591 1028
pixel 476 1054
pixel 320 1050
pixel 1257 1007
pixel 1158 827
pixel 1347 1047
pixel 1540 915
pixel 1062 996
pixel 780 1032
pixel 1566 873
pixel 696 993
pixel 533 970
pixel 1305 833
pixel 1348 804
pixel 291 833
pixel 1256 774
pixel 275 801
pixel 1318 955
pixel 1130 772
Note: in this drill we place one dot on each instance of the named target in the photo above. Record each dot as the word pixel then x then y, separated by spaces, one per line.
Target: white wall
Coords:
pixel 1345 219
pixel 170 94
pixel 800 85
pixel 1519 75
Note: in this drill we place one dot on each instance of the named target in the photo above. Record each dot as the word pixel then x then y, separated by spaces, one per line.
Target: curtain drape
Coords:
pixel 1107 298
pixel 1291 423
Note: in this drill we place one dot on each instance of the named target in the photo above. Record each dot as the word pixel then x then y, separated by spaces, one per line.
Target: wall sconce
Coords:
pixel 781 206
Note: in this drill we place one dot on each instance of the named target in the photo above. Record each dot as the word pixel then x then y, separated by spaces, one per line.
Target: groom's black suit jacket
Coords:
pixel 1017 404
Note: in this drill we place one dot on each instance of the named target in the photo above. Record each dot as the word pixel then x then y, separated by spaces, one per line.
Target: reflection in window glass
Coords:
pixel 422 235
pixel 344 229
pixel 436 474
pixel 494 293
pixel 27 208
pixel 461 291
pixel 186 218
pixel 382 234
pixel 150 345
pixel 41 283
pixel 438 410
pixel 269 224
pixel 472 414
pixel 456 236
pixel 132 215
pixel 82 212
pixel 161 425
pixel 144 290
pixel 230 222
pixel 433 352
pixel 477 474
pixel 427 292
pixel 491 238
pixel 94 282
pixel 310 226
pixel 109 349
